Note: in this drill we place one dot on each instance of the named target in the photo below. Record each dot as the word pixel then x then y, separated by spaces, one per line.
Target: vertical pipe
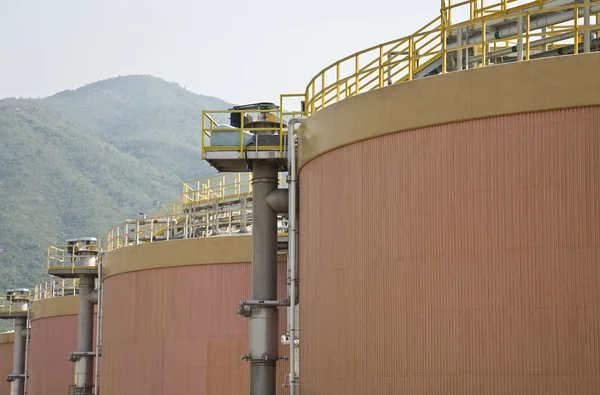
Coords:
pixel 263 337
pixel 27 338
pixel 17 386
pixel 292 247
pixel 587 33
pixel 98 326
pixel 85 334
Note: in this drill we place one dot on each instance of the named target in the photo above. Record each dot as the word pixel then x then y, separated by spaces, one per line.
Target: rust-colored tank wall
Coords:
pixel 456 259
pixel 53 338
pixel 175 331
pixel 6 360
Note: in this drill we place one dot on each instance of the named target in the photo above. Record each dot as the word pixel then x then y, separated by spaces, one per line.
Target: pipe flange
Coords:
pixel 264 359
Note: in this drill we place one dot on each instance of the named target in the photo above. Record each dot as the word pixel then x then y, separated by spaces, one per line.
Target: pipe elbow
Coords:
pixel 278 200
pixel 92 297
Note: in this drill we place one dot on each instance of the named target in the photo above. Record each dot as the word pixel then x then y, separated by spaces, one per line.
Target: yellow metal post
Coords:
pixel 323 90
pixel 337 78
pixel 356 65
pixel 527 35
pixel 576 30
pixel 444 59
pixel 410 57
pixel 381 66
pixel 312 100
pixel 241 135
pixel 483 39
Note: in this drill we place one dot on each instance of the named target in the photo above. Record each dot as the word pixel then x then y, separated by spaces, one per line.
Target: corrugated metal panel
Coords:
pixel 175 331
pixel 50 371
pixel 6 360
pixel 457 259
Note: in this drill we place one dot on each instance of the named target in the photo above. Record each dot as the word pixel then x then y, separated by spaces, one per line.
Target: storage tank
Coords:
pixel 169 317
pixel 6 360
pixel 54 336
pixel 450 237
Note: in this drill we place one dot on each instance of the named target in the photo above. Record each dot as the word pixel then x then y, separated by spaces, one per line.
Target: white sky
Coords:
pixel 236 50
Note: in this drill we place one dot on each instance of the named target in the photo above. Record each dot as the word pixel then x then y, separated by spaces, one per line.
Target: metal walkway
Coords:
pixel 515 30
pixel 214 206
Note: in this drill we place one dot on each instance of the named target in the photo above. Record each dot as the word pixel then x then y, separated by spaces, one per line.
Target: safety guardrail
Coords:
pixel 9 306
pixel 55 287
pixel 224 188
pixel 207 223
pixel 241 139
pixel 62 256
pixel 429 49
pixel 219 188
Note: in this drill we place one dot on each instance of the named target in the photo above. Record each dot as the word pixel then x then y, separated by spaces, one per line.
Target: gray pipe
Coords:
pixel 92 297
pixel 509 18
pixel 98 326
pixel 537 23
pixel 17 385
pixel 534 24
pixel 85 333
pixel 24 333
pixel 263 320
pixel 511 50
pixel 278 200
pixel 293 253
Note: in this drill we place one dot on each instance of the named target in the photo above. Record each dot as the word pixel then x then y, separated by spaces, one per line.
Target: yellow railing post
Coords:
pixel 411 41
pixel 337 76
pixel 527 35
pixel 576 30
pixel 323 90
pixel 312 100
pixel 203 131
pixel 357 81
pixel 483 40
pixel 444 43
pixel 241 134
pixel 381 66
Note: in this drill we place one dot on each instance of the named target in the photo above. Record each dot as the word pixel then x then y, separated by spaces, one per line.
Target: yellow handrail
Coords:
pixel 243 133
pixel 402 59
pixel 173 221
pixel 60 256
pixel 11 305
pixel 55 287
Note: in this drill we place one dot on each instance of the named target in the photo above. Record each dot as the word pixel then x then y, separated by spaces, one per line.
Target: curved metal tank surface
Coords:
pixel 462 258
pixel 6 361
pixel 54 336
pixel 174 330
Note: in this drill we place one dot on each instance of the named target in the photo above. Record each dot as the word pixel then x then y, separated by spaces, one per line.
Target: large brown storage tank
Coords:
pixel 450 235
pixel 169 324
pixel 6 360
pixel 53 337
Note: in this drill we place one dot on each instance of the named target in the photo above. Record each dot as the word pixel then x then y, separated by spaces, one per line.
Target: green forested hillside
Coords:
pixel 151 119
pixel 79 162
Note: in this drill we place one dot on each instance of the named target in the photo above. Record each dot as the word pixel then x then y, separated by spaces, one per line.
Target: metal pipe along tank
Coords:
pixel 292 246
pixel 17 385
pixel 263 337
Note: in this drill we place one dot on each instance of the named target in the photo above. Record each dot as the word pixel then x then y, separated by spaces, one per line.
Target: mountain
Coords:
pixel 156 121
pixel 79 162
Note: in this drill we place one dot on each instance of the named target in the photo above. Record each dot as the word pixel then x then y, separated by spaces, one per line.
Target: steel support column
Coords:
pixel 263 339
pixel 17 385
pixel 84 374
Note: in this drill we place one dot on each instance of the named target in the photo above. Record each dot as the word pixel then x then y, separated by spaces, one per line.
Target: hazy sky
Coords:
pixel 237 50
